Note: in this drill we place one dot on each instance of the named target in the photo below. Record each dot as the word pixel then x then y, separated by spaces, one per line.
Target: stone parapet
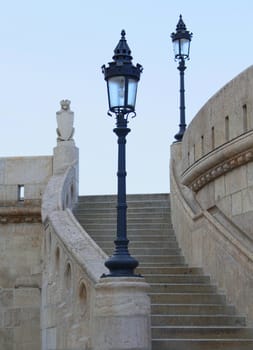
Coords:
pixel 226 116
pixel 212 190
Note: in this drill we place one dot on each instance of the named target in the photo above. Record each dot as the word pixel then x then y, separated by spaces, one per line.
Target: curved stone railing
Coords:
pixel 73 264
pixel 227 115
pixel 212 190
pixel 79 309
pixel 209 239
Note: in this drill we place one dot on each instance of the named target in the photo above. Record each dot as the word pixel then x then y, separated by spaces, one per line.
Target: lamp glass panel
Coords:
pixel 184 47
pixel 132 91
pixel 116 91
pixel 176 47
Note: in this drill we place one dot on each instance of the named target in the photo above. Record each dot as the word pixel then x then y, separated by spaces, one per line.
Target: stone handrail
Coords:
pixel 236 237
pixel 209 239
pixel 212 190
pixel 73 264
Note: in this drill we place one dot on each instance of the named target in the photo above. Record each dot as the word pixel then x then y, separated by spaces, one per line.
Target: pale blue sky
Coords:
pixel 53 50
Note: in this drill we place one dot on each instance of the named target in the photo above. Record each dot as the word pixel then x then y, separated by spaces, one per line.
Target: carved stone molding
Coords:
pixel 221 169
pixel 16 215
pixel 221 160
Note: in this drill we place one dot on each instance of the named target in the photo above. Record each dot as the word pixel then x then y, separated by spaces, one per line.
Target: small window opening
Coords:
pixel 202 145
pixel 213 138
pixel 21 192
pixel 245 118
pixel 227 136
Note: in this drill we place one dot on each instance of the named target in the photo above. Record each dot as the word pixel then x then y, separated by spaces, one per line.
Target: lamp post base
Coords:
pixel 121 263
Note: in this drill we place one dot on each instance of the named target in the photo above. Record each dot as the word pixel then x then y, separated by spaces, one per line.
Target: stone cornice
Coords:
pixel 20 214
pixel 223 159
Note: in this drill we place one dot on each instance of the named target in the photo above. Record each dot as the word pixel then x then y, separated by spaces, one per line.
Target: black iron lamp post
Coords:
pixel 122 79
pixel 181 40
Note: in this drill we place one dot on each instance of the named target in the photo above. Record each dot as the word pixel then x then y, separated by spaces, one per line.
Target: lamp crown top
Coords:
pixel 181 25
pixel 122 51
pixel 181 31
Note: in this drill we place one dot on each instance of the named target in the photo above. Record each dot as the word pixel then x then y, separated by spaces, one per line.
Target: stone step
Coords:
pixel 145 244
pixel 198 332
pixel 145 251
pixel 155 251
pixel 99 237
pixel 192 309
pixel 145 216
pixel 165 259
pixel 135 226
pixel 168 270
pixel 143 222
pixel 207 344
pixel 130 204
pixel 187 298
pixel 197 320
pixel 182 288
pixel 159 265
pixel 131 212
pixel 152 244
pixel 130 197
pixel 163 278
pixel 135 234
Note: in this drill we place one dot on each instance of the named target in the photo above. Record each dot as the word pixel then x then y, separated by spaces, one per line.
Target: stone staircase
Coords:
pixel 187 311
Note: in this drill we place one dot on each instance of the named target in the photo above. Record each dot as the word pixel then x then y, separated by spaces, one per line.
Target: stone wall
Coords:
pixel 212 190
pixel 21 234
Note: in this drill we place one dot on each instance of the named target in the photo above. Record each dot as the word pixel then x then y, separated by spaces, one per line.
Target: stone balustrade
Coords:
pixel 73 264
pixel 212 190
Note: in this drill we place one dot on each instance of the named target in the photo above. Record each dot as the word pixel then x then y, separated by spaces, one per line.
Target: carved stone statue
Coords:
pixel 65 120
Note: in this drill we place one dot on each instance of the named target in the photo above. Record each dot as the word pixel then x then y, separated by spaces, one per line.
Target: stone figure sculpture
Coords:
pixel 65 120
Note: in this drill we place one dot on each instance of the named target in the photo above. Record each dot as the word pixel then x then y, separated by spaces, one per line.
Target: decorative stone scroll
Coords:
pixel 220 169
pixel 65 121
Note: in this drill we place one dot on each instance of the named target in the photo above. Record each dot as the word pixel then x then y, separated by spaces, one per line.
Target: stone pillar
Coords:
pixel 122 314
pixel 65 153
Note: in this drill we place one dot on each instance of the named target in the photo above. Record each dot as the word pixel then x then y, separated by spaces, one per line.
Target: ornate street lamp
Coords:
pixel 181 41
pixel 122 79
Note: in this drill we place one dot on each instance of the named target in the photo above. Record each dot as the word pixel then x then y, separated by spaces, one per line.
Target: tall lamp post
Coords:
pixel 122 79
pixel 181 41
